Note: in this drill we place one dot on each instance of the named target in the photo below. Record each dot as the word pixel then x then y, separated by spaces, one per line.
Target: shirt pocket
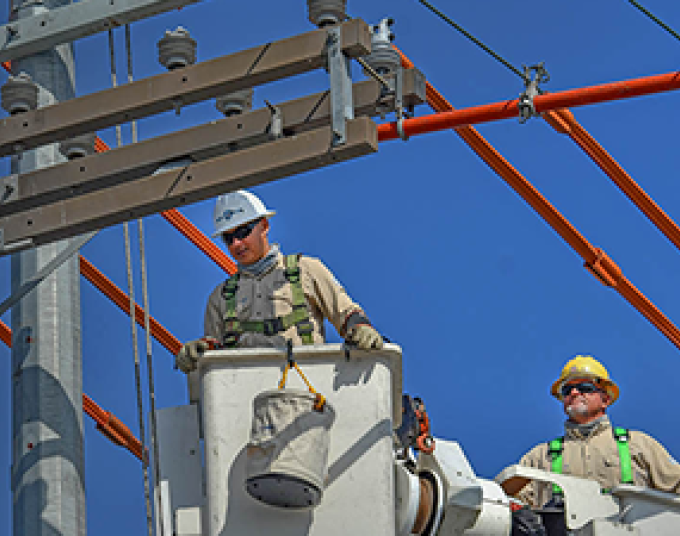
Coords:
pixel 280 294
pixel 609 470
pixel 244 301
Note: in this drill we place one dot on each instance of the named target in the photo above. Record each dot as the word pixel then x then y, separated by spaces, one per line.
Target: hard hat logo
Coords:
pixel 237 208
pixel 227 215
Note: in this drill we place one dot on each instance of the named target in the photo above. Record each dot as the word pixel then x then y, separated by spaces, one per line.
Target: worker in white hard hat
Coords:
pixel 591 447
pixel 273 298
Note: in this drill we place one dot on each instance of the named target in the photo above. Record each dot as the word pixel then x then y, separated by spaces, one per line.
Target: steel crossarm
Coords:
pixel 246 168
pixel 178 88
pixel 131 162
pixel 43 31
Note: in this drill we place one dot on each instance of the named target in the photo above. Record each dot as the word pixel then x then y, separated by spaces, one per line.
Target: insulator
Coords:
pixel 326 12
pixel 236 102
pixel 383 58
pixel 176 49
pixel 78 147
pixel 19 94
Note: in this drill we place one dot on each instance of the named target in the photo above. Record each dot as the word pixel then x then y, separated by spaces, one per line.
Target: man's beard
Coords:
pixel 578 408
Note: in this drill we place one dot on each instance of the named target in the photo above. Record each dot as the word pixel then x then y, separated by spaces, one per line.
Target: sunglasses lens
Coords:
pixel 585 387
pixel 240 232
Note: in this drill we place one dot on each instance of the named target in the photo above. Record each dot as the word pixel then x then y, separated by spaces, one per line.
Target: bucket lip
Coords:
pixel 302 393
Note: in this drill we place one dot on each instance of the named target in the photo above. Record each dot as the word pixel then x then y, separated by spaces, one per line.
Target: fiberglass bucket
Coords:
pixel 287 456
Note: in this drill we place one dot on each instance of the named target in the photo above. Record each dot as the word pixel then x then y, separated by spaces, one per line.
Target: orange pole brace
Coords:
pixel 122 300
pixel 5 334
pixel 564 122
pixel 542 103
pixel 113 428
pixel 595 259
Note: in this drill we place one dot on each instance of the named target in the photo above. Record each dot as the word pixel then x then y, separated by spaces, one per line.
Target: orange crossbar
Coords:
pixel 564 122
pixel 450 118
pixel 595 259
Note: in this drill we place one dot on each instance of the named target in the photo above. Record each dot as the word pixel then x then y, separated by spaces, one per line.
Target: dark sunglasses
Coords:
pixel 583 387
pixel 240 232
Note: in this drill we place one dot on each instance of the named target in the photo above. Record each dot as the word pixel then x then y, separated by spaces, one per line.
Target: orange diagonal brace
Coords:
pixel 121 299
pixel 5 334
pixel 564 122
pixel 112 427
pixel 450 118
pixel 595 259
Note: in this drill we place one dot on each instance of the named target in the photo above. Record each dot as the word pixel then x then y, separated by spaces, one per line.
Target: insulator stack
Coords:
pixel 235 103
pixel 19 94
pixel 177 49
pixel 326 12
pixel 384 59
pixel 78 147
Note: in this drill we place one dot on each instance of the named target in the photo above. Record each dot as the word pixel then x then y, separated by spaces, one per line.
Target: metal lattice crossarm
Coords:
pixel 180 87
pixel 42 31
pixel 77 177
pixel 249 167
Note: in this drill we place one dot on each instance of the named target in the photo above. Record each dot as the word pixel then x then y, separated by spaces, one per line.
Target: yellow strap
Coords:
pixel 320 399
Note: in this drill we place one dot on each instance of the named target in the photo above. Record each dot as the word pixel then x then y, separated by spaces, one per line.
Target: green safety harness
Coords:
pixel 622 437
pixel 298 317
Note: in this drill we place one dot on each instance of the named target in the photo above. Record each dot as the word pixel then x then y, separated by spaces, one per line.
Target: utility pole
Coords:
pixel 47 428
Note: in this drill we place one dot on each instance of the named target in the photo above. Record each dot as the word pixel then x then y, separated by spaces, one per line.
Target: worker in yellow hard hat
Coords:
pixel 591 447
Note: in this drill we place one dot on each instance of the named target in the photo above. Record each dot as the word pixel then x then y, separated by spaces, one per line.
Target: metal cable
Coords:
pixel 473 39
pixel 655 19
pixel 133 324
pixel 147 329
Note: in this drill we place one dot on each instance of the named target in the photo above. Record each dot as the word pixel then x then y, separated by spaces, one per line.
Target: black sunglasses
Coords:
pixel 583 387
pixel 240 232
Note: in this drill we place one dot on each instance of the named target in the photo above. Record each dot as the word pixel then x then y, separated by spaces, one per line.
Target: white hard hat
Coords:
pixel 236 208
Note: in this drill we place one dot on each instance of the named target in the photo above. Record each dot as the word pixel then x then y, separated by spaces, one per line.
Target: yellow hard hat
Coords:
pixel 585 366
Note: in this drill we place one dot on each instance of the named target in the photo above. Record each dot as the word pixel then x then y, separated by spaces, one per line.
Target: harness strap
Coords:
pixel 298 317
pixel 622 436
pixel 555 449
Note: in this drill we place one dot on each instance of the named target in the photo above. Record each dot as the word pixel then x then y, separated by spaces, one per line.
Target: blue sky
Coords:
pixel 486 301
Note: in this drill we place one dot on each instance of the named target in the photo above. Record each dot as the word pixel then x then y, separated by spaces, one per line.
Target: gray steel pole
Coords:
pixel 47 426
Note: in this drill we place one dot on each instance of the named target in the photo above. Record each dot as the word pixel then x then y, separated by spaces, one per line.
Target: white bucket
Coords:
pixel 287 456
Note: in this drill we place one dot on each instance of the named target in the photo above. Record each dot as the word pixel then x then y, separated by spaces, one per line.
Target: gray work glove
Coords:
pixel 191 352
pixel 365 337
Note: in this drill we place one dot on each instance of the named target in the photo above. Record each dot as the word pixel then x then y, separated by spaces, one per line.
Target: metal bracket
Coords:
pixel 9 188
pixel 532 90
pixel 342 108
pixel 276 123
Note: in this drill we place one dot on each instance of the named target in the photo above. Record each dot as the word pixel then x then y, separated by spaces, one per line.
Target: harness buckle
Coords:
pixel 305 327
pixel 293 274
pixel 272 326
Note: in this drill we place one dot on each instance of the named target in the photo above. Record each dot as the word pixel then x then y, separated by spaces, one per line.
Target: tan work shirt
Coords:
pixel 270 295
pixel 596 456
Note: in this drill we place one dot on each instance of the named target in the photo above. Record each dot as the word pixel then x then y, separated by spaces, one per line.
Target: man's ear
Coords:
pixel 265 226
pixel 606 400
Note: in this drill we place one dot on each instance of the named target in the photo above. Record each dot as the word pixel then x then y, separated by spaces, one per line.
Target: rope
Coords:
pixel 655 19
pixel 145 295
pixel 473 39
pixel 133 325
pixel 291 363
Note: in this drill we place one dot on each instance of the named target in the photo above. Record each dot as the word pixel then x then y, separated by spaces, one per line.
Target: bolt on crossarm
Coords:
pixel 595 260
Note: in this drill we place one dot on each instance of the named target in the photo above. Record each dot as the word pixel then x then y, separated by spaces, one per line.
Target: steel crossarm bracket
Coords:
pixel 243 169
pixel 78 177
pixel 43 31
pixel 178 88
